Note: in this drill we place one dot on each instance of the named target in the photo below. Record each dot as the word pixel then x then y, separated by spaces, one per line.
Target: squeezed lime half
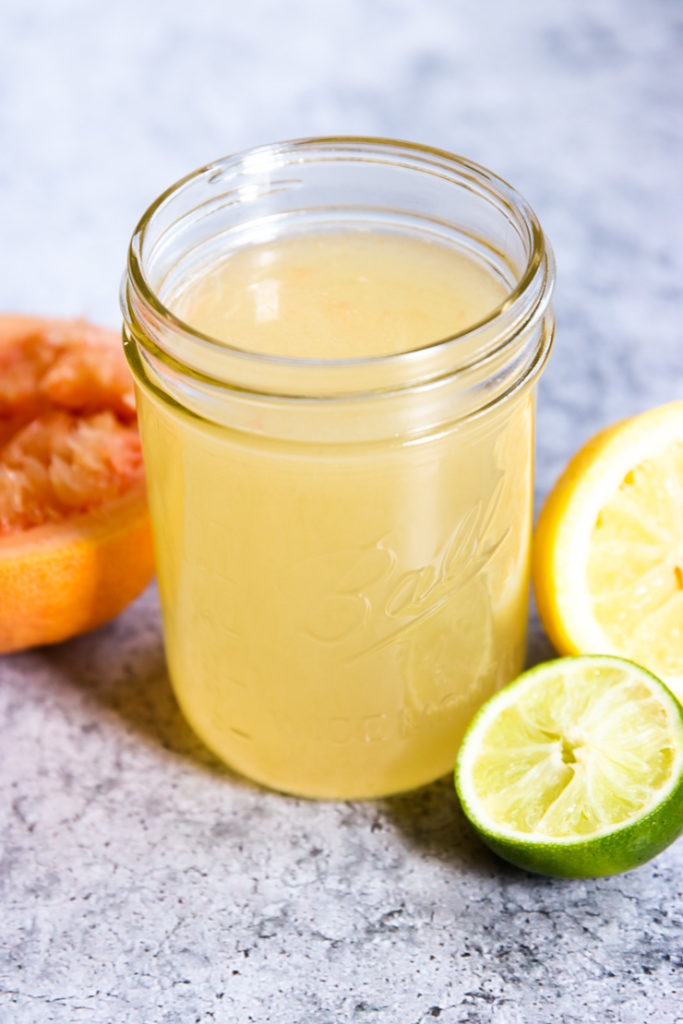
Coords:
pixel 576 768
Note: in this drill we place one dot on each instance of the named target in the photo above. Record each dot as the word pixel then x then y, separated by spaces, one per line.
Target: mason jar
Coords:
pixel 342 543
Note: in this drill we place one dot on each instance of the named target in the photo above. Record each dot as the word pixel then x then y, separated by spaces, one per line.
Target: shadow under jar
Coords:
pixel 342 524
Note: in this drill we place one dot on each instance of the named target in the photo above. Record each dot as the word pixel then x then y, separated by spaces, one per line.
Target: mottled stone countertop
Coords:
pixel 140 881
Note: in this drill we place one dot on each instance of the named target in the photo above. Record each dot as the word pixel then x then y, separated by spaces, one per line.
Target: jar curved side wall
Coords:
pixel 333 623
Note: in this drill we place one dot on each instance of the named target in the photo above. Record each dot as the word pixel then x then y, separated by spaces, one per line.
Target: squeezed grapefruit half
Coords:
pixel 75 538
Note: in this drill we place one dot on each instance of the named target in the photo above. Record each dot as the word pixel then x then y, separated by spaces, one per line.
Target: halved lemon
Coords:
pixel 576 768
pixel 608 549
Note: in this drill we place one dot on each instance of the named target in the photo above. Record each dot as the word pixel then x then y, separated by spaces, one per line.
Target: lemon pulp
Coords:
pixel 635 567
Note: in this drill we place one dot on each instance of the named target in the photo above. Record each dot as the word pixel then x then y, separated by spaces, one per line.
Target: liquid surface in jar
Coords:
pixel 338 295
pixel 335 613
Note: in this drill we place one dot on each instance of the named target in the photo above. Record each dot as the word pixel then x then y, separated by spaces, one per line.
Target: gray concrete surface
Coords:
pixel 141 883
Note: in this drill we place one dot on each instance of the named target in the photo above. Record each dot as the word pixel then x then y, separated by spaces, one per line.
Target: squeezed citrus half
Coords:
pixel 576 768
pixel 75 539
pixel 608 549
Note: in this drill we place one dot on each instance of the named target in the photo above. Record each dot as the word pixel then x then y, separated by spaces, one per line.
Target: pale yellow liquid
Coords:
pixel 335 613
pixel 339 296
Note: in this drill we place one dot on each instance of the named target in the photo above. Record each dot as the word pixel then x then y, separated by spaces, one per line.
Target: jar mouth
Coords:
pixel 255 181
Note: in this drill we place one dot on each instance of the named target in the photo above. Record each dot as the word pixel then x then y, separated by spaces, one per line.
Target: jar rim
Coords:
pixel 431 158
pixel 461 376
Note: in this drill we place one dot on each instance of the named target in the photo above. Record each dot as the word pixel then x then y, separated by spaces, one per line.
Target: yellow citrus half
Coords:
pixel 608 549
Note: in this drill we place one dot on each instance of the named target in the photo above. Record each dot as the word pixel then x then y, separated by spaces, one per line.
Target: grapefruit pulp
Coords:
pixel 75 538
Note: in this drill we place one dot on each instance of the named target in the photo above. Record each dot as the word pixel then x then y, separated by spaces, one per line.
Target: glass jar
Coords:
pixel 342 545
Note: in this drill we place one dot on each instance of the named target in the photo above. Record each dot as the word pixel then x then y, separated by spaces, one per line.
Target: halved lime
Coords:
pixel 576 768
